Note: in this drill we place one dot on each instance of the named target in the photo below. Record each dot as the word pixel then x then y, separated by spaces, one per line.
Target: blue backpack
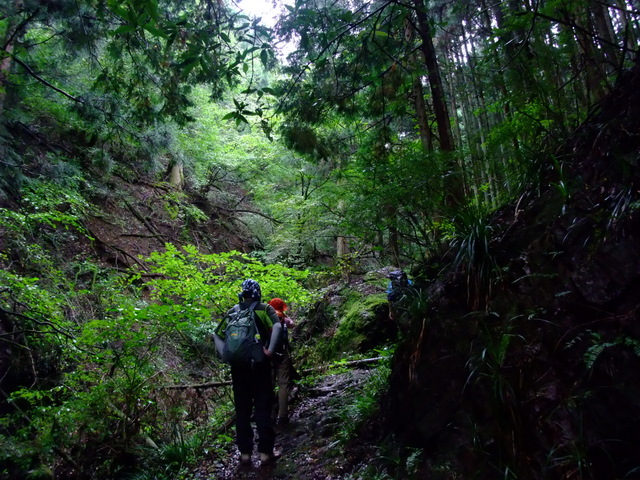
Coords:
pixel 397 288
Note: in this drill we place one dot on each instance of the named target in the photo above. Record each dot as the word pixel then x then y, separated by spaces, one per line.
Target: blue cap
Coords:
pixel 251 289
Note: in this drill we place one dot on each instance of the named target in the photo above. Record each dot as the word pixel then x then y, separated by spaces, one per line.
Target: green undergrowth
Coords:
pixel 364 404
pixel 96 351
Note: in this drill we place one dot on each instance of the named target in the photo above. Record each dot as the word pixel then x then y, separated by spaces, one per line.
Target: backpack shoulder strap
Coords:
pixel 263 322
pixel 257 324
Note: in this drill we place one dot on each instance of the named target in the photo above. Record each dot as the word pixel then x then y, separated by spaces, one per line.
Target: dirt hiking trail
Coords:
pixel 310 444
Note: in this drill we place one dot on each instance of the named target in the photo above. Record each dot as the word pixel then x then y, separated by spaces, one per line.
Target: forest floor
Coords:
pixel 311 445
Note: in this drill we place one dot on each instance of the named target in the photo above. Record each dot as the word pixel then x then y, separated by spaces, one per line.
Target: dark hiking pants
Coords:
pixel 253 391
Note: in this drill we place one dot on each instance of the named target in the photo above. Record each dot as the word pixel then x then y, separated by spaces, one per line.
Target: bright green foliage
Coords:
pixel 103 350
pixel 47 204
pixel 199 282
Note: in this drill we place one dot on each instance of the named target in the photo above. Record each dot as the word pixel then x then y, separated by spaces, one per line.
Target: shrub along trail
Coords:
pixel 311 444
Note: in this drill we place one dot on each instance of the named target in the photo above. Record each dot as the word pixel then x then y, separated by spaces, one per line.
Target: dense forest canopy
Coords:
pixel 154 153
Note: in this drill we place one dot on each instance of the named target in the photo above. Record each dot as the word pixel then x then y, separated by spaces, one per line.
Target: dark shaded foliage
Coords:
pixel 542 384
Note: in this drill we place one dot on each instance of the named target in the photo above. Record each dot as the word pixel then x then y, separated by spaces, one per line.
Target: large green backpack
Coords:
pixel 241 337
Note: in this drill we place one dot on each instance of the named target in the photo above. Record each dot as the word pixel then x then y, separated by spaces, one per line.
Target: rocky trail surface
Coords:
pixel 310 445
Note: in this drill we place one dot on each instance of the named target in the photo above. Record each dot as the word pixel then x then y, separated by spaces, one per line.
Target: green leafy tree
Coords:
pixel 141 56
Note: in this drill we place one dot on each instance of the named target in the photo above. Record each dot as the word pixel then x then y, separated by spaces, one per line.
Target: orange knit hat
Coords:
pixel 278 304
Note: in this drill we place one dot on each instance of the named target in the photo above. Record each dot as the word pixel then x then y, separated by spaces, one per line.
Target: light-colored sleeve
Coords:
pixel 276 337
pixel 218 334
pixel 219 341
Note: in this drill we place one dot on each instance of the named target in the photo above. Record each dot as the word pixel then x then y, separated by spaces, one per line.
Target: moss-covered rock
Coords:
pixel 364 324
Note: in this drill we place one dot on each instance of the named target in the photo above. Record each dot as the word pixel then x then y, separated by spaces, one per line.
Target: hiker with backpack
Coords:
pixel 398 292
pixel 246 339
pixel 283 366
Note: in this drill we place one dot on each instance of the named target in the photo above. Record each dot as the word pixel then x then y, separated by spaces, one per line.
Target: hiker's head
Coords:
pixel 250 290
pixel 397 275
pixel 278 305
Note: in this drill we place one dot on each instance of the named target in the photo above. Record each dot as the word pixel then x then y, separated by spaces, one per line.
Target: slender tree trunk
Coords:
pixel 453 187
pixel 342 248
pixel 176 177
pixel 5 68
pixel 421 112
pixel 394 244
pixel 8 45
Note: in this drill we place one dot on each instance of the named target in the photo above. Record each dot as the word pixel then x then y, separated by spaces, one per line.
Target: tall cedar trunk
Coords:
pixel 453 188
pixel 607 38
pixel 435 81
pixel 418 95
pixel 594 75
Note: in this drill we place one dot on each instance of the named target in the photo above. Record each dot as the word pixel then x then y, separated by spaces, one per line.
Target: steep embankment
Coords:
pixel 75 224
pixel 138 217
pixel 545 381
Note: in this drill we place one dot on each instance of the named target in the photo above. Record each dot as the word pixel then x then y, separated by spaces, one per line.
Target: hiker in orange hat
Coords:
pixel 283 367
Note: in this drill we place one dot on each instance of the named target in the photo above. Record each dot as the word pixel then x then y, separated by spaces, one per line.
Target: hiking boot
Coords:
pixel 245 458
pixel 266 458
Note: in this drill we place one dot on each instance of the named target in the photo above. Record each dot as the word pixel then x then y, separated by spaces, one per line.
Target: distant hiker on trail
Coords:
pixel 397 294
pixel 283 367
pixel 246 339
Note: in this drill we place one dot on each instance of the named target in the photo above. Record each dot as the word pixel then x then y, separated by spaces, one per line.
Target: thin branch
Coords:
pixel 45 82
pixel 68 95
pixel 578 28
pixel 235 210
pixel 48 323
pixel 352 363
pixel 199 386
pixel 145 222
pixel 19 28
